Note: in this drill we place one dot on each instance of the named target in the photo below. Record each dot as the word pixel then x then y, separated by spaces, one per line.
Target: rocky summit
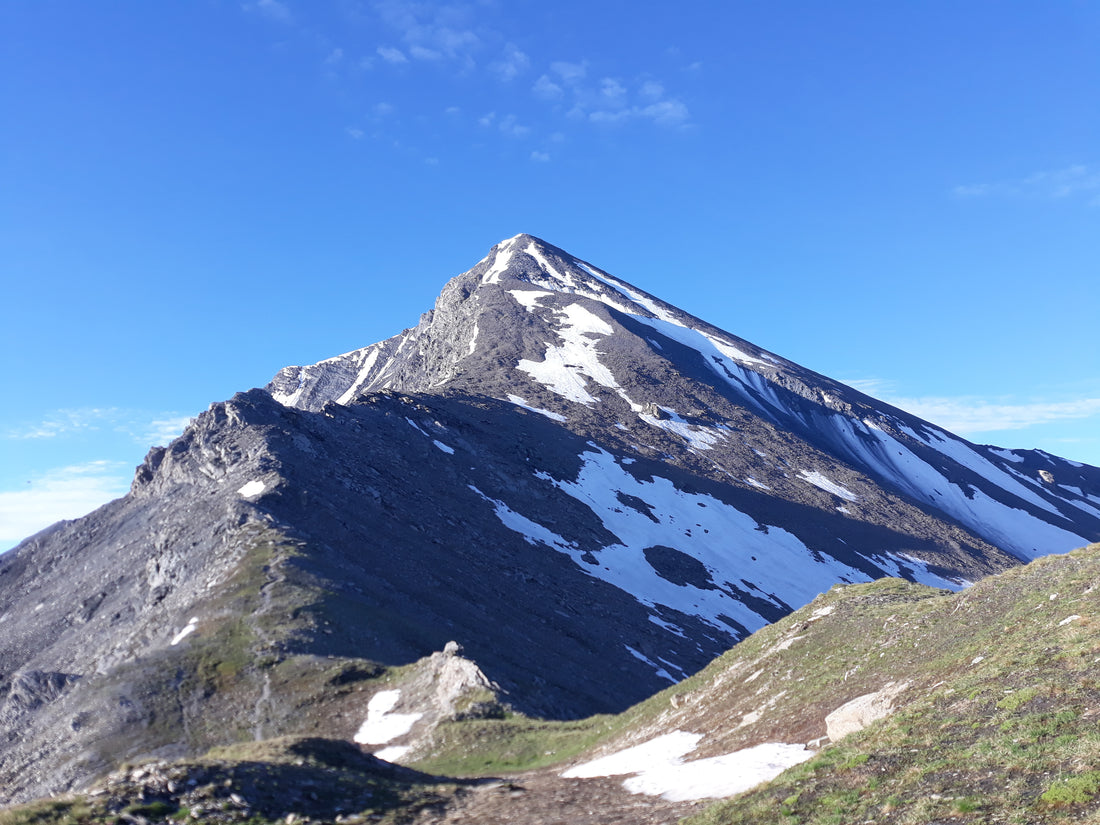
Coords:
pixel 555 496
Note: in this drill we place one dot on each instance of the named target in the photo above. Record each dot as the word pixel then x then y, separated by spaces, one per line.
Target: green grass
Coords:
pixel 479 747
pixel 1000 723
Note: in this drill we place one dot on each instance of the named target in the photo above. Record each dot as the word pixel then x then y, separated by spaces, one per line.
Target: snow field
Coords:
pixel 659 769
pixel 381 725
pixel 565 368
pixel 1014 529
pixel 720 537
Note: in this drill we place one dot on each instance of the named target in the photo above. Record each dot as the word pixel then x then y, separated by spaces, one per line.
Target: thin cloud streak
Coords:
pixel 1055 184
pixel 966 415
pixel 142 426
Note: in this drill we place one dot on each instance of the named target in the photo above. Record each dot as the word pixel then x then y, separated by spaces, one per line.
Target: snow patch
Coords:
pixel 663 750
pixel 699 437
pixel 381 725
pixel 393 752
pixel 564 368
pixel 362 377
pixel 252 489
pixel 417 427
pixel 187 631
pixel 719 776
pixel 529 298
pixel 519 402
pixel 444 447
pixel 825 483
pixel 664 674
pixel 500 263
pixel 661 771
pixel 721 538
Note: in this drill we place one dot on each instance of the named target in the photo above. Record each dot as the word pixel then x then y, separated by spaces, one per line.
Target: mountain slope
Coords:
pixel 533 323
pixel 974 722
pixel 590 491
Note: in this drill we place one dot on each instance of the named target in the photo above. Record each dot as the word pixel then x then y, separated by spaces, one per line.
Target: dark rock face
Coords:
pixel 591 491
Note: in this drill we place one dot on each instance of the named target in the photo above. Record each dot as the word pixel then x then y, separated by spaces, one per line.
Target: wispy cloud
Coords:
pixel 142 426
pixel 608 99
pixel 1079 180
pixel 271 9
pixel 508 124
pixel 162 430
pixel 511 65
pixel 392 55
pixel 63 493
pixel 540 157
pixel 432 31
pixel 570 73
pixel 968 415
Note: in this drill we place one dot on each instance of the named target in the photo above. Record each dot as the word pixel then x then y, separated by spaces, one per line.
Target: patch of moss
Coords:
pixel 1073 790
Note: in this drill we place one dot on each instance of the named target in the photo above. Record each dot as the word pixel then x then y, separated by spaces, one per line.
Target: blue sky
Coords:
pixel 902 196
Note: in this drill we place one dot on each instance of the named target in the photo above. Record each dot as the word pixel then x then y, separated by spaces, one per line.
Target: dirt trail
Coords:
pixel 544 798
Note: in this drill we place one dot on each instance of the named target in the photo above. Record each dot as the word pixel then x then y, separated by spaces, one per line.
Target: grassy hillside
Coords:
pixel 998 723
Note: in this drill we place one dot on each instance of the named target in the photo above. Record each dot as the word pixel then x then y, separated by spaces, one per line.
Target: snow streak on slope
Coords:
pixel 564 367
pixel 691 552
pixel 1011 528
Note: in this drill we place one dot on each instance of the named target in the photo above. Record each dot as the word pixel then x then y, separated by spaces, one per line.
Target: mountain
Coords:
pixel 592 492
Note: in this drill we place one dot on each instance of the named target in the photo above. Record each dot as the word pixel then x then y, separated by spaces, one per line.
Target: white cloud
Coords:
pixel 540 157
pixel 547 89
pixel 392 55
pixel 140 425
pixel 334 57
pixel 1055 184
pixel 64 493
pixel 613 91
pixel 511 127
pixel 666 112
pixel 570 72
pixel 163 430
pixel 610 100
pixel 432 31
pixel 356 134
pixel 424 53
pixel 64 422
pixel 271 9
pixel 512 64
pixel 967 415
